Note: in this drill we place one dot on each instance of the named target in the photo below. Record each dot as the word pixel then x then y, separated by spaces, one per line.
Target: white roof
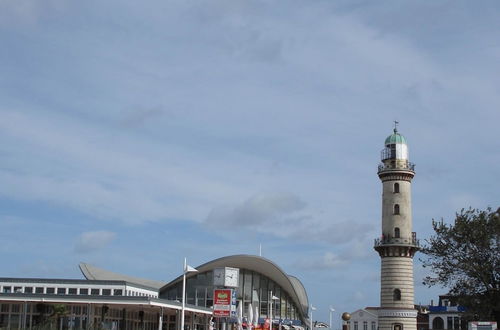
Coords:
pixel 94 273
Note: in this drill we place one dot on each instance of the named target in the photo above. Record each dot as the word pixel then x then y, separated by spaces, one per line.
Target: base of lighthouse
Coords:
pixel 397 319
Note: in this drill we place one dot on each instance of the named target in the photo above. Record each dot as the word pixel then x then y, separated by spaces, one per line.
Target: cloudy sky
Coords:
pixel 136 134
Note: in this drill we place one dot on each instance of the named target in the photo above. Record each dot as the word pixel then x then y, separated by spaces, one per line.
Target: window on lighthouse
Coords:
pixel 396 188
pixel 396 208
pixel 396 232
pixel 397 294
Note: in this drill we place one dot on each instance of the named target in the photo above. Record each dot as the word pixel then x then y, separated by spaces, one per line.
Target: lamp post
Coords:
pixel 312 309
pixel 187 269
pixel 331 311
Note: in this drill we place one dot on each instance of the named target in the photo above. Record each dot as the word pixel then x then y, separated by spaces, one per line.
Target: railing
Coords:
pixel 397 166
pixel 388 240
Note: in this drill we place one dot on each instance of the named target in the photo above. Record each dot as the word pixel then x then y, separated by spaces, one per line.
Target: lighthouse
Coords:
pixel 398 243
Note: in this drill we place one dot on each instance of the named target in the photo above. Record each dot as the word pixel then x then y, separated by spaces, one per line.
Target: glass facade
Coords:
pixel 79 317
pixel 253 288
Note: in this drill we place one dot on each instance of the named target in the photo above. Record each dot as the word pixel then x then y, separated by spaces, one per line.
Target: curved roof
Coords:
pixel 266 267
pixel 395 138
pixel 94 273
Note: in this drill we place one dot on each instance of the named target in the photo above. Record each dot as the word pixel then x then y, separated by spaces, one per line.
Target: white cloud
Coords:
pixel 329 260
pixel 358 297
pixel 93 240
pixel 260 209
pixel 28 11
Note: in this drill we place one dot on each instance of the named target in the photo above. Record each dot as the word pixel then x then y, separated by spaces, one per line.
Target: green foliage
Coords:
pixel 465 258
pixel 59 310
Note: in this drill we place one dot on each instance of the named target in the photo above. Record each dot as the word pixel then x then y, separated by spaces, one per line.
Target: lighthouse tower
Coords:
pixel 398 243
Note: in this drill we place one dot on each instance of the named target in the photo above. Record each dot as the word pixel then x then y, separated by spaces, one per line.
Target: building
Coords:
pixel 259 281
pixel 364 319
pixel 367 318
pixel 108 300
pixel 447 315
pixel 398 243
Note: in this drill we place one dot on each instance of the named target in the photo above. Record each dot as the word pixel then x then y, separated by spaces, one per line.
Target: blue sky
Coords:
pixel 136 134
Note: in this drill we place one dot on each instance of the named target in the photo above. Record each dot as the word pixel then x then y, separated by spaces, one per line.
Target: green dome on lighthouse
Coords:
pixel 395 138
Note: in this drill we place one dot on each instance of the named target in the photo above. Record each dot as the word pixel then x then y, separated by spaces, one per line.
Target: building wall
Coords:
pixel 397 273
pixel 254 288
pixel 363 320
pixel 403 220
pixel 77 287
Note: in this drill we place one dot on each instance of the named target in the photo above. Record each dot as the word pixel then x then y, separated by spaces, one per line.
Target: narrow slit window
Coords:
pixel 397 295
pixel 396 188
pixel 396 208
pixel 396 232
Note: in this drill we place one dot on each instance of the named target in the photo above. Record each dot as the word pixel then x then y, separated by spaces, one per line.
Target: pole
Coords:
pixel 311 320
pixel 183 293
pixel 160 319
pixel 331 311
pixel 271 311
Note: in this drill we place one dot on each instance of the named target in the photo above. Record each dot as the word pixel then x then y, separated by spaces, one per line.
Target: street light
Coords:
pixel 187 269
pixel 331 311
pixel 312 309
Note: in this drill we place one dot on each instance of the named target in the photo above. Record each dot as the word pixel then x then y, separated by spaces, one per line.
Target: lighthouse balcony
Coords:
pixel 388 240
pixel 396 165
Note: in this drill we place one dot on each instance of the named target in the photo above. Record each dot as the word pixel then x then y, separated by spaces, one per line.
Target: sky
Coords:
pixel 135 134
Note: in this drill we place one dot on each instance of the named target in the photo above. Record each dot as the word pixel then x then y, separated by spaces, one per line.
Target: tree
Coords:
pixel 465 258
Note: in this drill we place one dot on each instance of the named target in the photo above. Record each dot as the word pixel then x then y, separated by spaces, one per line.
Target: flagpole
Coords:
pixel 187 269
pixel 271 311
pixel 183 293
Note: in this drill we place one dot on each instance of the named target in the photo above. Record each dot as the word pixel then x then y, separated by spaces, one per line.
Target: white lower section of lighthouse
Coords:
pixel 396 274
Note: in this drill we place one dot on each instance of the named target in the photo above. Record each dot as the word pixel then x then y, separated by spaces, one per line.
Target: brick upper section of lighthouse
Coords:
pixel 397 250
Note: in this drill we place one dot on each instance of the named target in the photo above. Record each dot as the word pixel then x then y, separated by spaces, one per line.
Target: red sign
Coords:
pixel 222 302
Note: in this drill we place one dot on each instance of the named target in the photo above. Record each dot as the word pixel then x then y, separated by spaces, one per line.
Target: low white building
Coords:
pixel 364 319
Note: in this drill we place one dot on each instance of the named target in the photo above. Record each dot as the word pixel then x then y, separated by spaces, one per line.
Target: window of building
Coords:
pixel 374 326
pixel 437 323
pixel 398 326
pixel 396 232
pixel 18 289
pixel 247 286
pixel 393 150
pixel 449 322
pixel 72 291
pixel 118 292
pixel 28 289
pixel 61 290
pixel 84 291
pixel 7 289
pixel 365 325
pixel 106 292
pixel 355 325
pixel 396 188
pixel 396 208
pixel 397 294
pixel 38 289
pixel 94 292
pixel 51 290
